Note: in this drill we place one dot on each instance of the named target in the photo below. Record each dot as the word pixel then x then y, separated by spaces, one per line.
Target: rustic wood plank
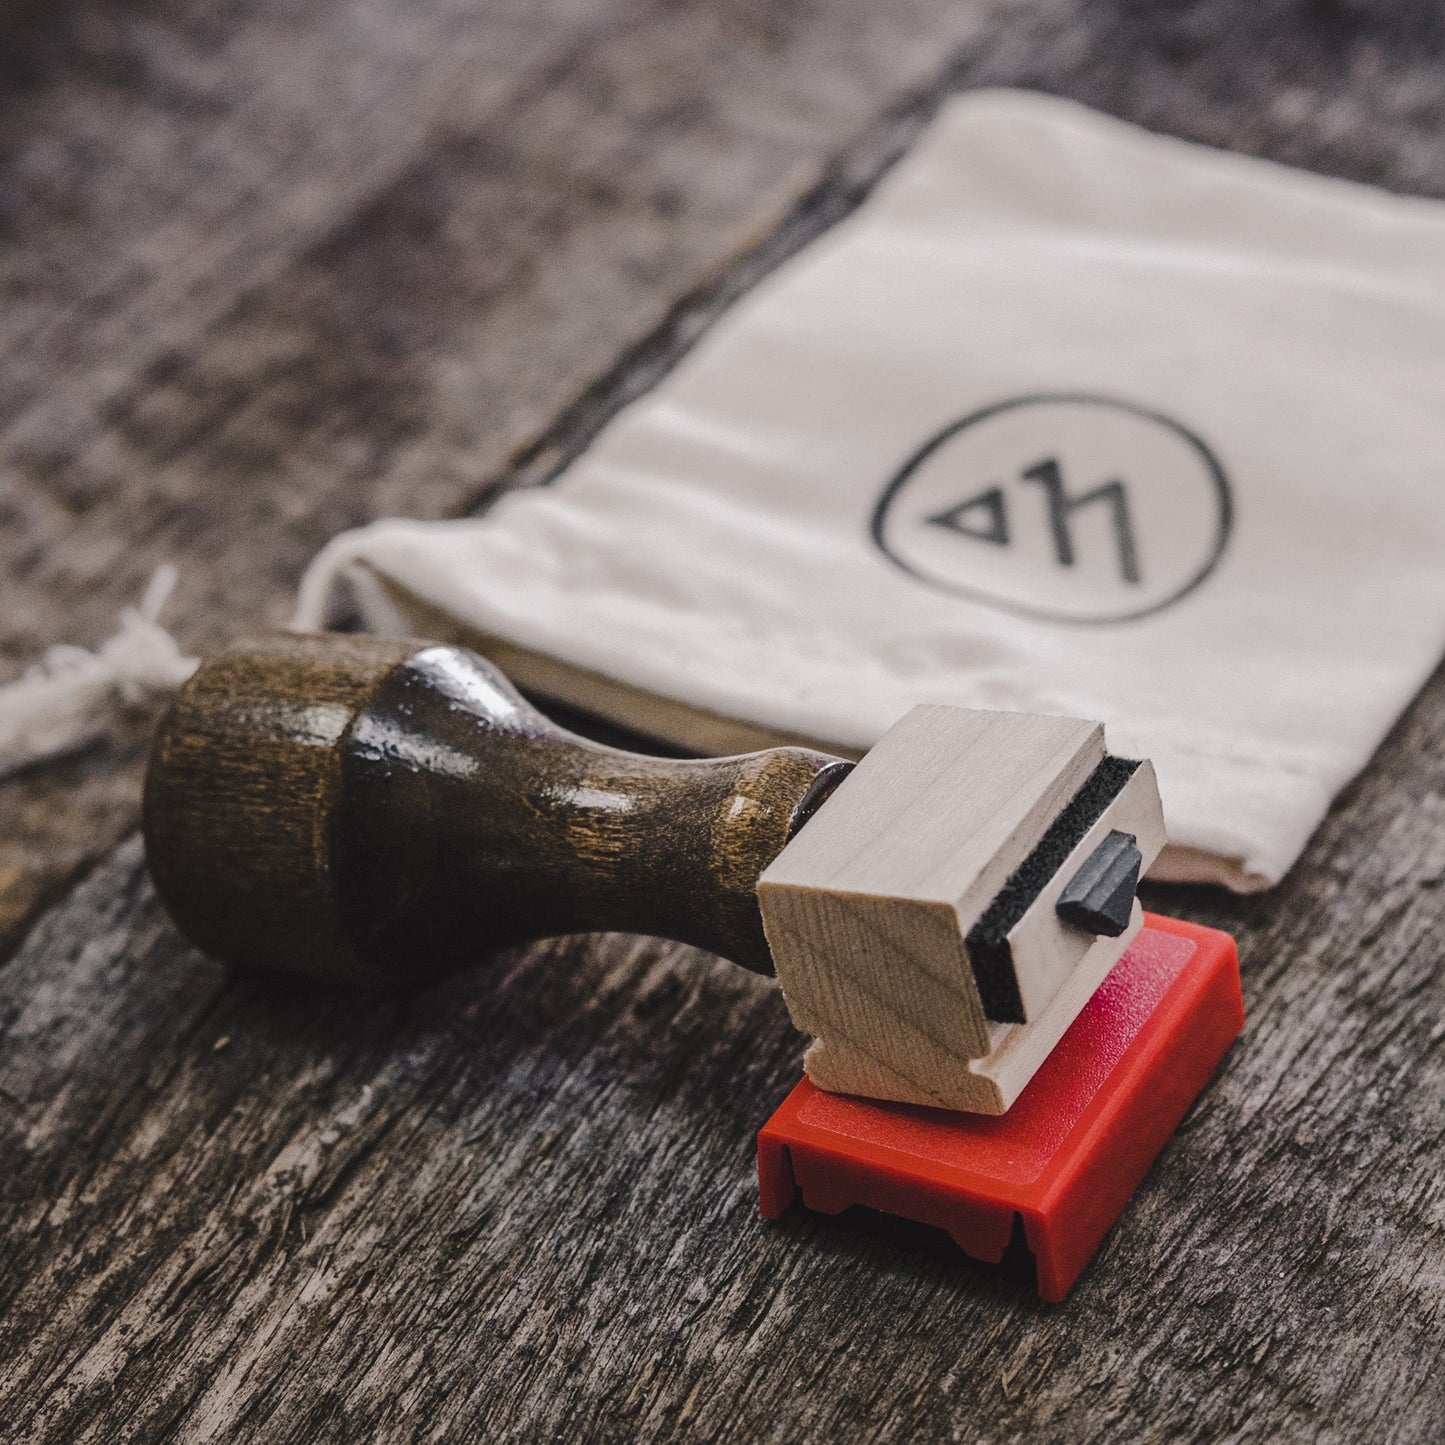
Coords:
pixel 521 1205
pixel 157 166
pixel 272 274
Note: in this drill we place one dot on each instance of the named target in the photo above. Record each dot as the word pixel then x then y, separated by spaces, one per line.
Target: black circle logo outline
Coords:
pixel 1211 463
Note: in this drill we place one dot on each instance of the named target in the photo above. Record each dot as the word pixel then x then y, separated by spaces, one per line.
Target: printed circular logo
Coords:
pixel 1070 508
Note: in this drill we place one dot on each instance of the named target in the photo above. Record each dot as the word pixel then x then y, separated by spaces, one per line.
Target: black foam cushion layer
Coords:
pixel 988 949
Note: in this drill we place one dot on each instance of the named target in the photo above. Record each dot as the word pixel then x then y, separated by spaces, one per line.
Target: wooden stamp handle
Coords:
pixel 363 808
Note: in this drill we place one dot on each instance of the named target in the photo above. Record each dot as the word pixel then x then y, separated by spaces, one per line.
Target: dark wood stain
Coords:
pixel 365 809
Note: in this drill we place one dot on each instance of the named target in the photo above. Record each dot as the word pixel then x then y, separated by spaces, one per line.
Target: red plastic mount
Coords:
pixel 1076 1143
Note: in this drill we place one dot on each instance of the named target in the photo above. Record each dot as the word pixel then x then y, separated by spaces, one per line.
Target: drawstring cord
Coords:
pixel 69 698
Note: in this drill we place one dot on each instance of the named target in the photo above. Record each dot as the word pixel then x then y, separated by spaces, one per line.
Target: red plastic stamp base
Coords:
pixel 1065 1159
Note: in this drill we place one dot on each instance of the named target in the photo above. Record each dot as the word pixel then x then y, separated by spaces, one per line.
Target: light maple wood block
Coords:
pixel 869 908
pixel 986 1085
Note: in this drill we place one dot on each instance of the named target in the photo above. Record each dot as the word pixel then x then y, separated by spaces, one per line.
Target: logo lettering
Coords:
pixel 1093 510
pixel 1061 506
pixel 990 502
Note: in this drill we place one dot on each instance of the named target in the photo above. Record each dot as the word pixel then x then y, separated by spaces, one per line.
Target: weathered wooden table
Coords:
pixel 273 270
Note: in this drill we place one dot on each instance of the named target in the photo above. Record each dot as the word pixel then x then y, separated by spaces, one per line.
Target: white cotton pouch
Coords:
pixel 1066 418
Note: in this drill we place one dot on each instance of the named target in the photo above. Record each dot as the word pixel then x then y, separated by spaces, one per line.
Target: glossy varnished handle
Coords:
pixel 364 808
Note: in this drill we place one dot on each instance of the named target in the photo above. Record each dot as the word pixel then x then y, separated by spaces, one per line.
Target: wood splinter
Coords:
pixel 381 811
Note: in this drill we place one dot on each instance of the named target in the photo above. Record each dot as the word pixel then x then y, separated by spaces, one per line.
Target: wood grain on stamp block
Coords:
pixel 867 910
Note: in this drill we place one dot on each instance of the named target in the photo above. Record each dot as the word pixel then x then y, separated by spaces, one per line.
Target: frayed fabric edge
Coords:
pixel 71 696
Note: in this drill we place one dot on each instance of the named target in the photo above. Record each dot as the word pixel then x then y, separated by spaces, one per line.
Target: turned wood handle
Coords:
pixel 357 807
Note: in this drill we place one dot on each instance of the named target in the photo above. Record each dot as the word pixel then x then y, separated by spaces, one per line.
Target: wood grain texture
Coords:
pixel 523 1203
pixel 374 811
pixel 869 911
pixel 521 1206
pixel 275 270
pixel 945 806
